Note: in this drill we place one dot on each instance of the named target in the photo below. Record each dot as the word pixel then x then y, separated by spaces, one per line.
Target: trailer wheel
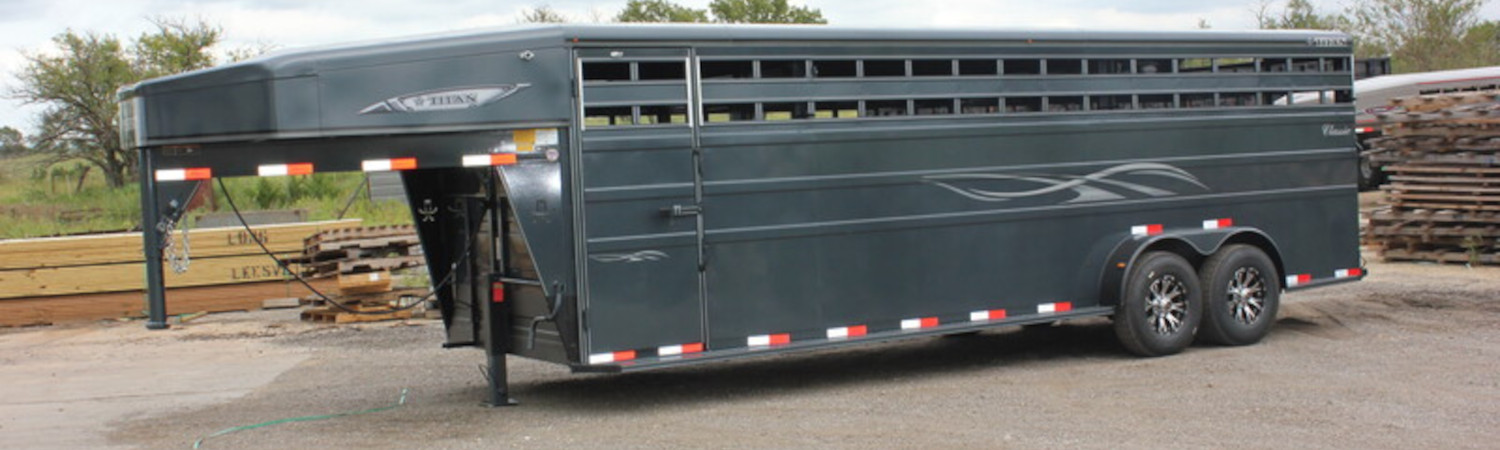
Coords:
pixel 1243 294
pixel 1161 307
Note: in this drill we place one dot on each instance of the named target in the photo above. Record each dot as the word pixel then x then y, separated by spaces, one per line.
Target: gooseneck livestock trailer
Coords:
pixel 620 198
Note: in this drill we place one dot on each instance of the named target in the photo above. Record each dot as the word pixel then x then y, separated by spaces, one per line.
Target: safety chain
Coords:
pixel 176 255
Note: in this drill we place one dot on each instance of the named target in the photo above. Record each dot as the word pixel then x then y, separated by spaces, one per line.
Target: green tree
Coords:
pixel 660 11
pixel 1419 35
pixel 763 11
pixel 542 14
pixel 12 142
pixel 76 86
pixel 1298 15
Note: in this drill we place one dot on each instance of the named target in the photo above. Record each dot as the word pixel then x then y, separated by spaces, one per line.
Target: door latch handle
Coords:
pixel 684 210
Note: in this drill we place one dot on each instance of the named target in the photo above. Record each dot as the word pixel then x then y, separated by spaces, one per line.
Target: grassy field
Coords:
pixel 39 199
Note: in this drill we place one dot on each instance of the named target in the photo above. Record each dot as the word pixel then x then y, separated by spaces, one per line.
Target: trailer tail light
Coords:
pixel 677 350
pixel 611 357
pixel 385 165
pixel 847 332
pixel 491 159
pixel 1146 230
pixel 279 170
pixel 497 292
pixel 919 323
pixel 981 316
pixel 767 340
pixel 1346 273
pixel 1053 308
pixel 1214 224
pixel 193 174
pixel 1293 280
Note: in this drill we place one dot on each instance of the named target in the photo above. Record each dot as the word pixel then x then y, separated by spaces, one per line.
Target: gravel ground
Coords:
pixel 1405 359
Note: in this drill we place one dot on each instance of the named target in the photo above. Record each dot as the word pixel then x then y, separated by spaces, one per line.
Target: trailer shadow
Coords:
pixel 889 363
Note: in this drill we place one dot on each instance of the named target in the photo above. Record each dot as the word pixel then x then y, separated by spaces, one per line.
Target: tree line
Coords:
pixel 1418 35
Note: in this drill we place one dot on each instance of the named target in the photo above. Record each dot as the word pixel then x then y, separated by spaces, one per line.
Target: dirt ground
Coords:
pixel 1405 359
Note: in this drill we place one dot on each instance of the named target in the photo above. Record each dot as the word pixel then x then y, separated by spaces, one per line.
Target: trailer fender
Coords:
pixel 1194 245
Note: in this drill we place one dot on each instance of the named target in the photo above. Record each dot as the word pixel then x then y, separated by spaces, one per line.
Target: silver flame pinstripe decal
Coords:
pixel 640 256
pixel 1085 188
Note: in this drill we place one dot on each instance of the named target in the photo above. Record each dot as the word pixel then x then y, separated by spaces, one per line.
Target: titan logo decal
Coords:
pixel 445 99
pixel 1098 186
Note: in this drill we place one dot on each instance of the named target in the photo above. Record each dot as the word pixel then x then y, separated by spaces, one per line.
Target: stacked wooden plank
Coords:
pixel 1441 154
pixel 362 260
pixel 360 250
pixel 53 280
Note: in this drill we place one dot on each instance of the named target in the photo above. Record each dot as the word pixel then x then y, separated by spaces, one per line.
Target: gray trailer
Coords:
pixel 621 198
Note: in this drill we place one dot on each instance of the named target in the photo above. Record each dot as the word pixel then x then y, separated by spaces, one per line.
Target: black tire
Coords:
pixel 1162 306
pixel 1370 176
pixel 1242 293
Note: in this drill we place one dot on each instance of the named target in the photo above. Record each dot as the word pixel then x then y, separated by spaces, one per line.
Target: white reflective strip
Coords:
pixel 978 316
pixel 911 324
pixel 759 341
pixel 601 358
pixel 670 350
pixel 476 160
pixel 275 170
pixel 1341 273
pixel 376 165
pixel 1212 224
pixel 171 175
pixel 1046 308
pixel 1139 230
pixel 1291 280
pixel 838 333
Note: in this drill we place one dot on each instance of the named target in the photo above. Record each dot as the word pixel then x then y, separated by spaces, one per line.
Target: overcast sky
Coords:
pixel 30 24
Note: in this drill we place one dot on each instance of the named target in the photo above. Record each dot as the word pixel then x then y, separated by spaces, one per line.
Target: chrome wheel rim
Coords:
pixel 1246 295
pixel 1166 304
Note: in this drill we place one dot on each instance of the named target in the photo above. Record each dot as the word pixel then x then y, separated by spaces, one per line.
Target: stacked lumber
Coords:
pixel 1441 154
pixel 362 260
pixel 52 280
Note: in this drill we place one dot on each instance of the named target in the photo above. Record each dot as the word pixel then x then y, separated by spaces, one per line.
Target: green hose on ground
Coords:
pixel 399 402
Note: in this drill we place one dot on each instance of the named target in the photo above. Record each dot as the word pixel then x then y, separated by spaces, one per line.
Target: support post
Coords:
pixel 156 296
pixel 497 310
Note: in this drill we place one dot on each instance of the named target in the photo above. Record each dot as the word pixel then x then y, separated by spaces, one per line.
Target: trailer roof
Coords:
pixel 289 62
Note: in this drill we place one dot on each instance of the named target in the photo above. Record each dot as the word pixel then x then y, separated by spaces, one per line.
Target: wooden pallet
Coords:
pixel 1438 102
pixel 367 314
pixel 1440 256
pixel 357 233
pixel 330 268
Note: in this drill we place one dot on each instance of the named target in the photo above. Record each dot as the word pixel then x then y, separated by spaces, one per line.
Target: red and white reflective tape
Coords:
pixel 1214 224
pixel 919 323
pixel 981 316
pixel 1293 280
pixel 492 159
pixel 674 350
pixel 1146 230
pixel 384 165
pixel 1346 273
pixel 1363 130
pixel 611 357
pixel 847 332
pixel 281 170
pixel 192 174
pixel 767 340
pixel 1053 308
